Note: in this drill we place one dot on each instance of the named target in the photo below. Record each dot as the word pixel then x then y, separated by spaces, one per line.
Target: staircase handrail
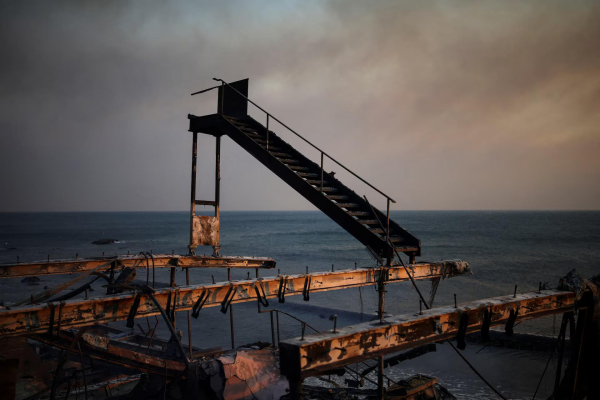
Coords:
pixel 323 153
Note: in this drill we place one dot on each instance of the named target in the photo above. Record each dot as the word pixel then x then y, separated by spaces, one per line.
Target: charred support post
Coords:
pixel 380 383
pixel 217 247
pixel 272 330
pixel 295 388
pixel 192 246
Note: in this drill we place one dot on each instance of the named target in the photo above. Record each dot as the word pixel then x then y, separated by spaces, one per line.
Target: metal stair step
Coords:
pixel 288 161
pixel 369 221
pixel 347 205
pixel 359 213
pixel 246 128
pixel 336 196
pixel 355 211
pixel 236 120
pixel 307 174
pixel 276 154
pixel 270 147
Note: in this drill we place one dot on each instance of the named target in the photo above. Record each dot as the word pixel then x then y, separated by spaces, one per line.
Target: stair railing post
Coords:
pixel 321 171
pixel 267 132
pixel 222 97
pixel 388 220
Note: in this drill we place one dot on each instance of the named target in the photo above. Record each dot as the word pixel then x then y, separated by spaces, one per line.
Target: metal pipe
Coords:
pixel 223 96
pixel 205 90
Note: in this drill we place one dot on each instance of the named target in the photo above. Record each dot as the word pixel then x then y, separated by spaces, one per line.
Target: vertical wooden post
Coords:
pixel 193 200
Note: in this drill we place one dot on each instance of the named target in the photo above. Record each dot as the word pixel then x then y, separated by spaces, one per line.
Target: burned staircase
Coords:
pixel 349 210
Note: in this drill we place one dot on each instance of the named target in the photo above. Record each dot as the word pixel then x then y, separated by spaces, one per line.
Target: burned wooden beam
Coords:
pixel 301 358
pixel 58 267
pixel 74 313
pixel 105 349
pixel 133 351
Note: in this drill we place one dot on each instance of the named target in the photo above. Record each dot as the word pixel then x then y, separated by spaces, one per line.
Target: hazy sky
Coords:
pixel 443 105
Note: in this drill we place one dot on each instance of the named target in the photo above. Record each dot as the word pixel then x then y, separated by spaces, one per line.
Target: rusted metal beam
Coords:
pixel 58 267
pixel 301 358
pixel 75 313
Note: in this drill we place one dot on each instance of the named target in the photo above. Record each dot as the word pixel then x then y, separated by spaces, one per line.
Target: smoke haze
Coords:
pixel 442 105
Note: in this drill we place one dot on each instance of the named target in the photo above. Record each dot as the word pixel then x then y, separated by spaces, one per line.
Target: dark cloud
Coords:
pixel 445 105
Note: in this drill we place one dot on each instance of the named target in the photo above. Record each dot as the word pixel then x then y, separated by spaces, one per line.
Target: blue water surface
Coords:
pixel 504 249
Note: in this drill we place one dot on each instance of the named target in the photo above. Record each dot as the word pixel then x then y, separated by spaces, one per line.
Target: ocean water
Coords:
pixel 504 249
